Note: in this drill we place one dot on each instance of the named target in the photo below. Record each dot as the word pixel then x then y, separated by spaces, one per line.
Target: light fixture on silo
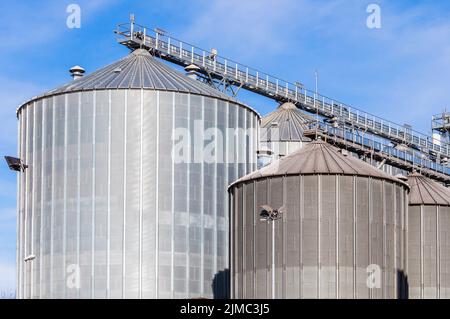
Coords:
pixel 15 164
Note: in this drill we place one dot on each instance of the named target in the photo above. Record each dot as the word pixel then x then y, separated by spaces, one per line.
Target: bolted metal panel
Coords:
pixel 444 252
pixel 292 237
pixel 262 275
pixel 104 199
pixel 414 252
pixel 346 238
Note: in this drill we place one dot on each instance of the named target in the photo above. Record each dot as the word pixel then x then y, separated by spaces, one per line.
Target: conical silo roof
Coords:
pixel 319 157
pixel 290 121
pixel 424 191
pixel 138 70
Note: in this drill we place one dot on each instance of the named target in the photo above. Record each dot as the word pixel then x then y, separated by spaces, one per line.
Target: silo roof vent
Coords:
pixel 77 72
pixel 192 68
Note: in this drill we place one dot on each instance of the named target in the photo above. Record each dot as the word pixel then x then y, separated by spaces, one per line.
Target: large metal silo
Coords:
pixel 341 235
pixel 105 208
pixel 428 238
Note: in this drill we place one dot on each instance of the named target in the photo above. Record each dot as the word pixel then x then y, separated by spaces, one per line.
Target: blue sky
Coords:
pixel 400 72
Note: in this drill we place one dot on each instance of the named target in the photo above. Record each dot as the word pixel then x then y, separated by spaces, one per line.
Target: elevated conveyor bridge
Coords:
pixel 234 74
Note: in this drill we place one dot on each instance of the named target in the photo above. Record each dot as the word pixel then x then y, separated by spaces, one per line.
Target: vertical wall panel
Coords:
pixel 116 195
pixel 362 236
pixel 251 216
pixel 376 232
pixel 414 251
pixel 132 204
pixel 261 244
pixel 276 202
pixel 328 237
pixel 429 252
pixel 444 256
pixel 310 238
pixel 37 198
pixel 292 236
pixel 346 237
pixel 71 195
pixel 86 205
pixel 390 218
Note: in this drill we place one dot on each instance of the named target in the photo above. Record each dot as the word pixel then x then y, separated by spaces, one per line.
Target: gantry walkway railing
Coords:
pixel 234 73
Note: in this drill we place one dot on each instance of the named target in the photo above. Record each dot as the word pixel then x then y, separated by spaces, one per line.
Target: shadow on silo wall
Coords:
pixel 221 284
pixel 402 285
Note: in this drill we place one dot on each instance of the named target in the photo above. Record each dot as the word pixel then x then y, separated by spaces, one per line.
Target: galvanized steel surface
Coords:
pixel 424 191
pixel 428 239
pixel 290 122
pixel 104 198
pixel 138 70
pixel 336 232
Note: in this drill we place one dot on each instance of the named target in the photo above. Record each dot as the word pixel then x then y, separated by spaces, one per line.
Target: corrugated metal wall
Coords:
pixel 333 228
pixel 102 193
pixel 429 251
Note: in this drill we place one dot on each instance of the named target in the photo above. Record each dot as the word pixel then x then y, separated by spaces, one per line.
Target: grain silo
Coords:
pixel 342 229
pixel 282 130
pixel 428 238
pixel 104 208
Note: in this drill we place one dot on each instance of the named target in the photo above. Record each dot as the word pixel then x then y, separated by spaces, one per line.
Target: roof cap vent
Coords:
pixel 77 72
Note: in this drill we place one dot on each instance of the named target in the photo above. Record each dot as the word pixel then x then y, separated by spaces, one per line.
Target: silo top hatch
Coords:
pixel 139 70
pixel 427 192
pixel 319 157
pixel 291 123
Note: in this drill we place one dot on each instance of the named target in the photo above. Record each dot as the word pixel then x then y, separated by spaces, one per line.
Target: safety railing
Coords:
pixel 169 48
pixel 383 148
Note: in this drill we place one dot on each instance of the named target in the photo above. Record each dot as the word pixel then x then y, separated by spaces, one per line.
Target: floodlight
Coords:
pixel 15 164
